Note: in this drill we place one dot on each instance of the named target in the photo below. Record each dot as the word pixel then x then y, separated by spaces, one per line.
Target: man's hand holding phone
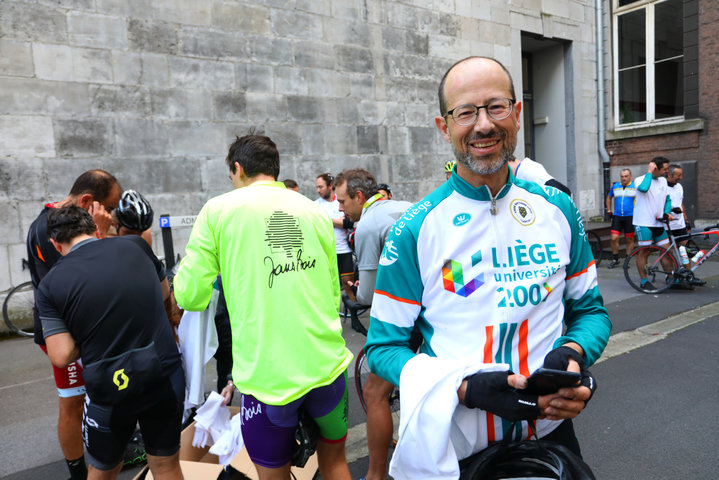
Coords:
pixel 567 402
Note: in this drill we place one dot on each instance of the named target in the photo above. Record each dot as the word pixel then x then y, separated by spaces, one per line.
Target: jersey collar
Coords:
pixel 482 193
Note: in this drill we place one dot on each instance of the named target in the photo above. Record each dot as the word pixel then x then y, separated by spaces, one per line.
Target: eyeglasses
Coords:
pixel 497 109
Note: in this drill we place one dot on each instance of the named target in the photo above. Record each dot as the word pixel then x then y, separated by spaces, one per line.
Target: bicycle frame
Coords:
pixel 672 247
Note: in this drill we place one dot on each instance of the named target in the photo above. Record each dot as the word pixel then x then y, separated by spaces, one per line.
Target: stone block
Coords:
pixel 271 51
pixel 201 42
pixel 320 7
pixel 428 21
pixel 286 137
pixel 263 107
pixel 368 139
pixel 152 36
pixel 354 59
pixel 304 109
pixel 341 139
pixel 126 8
pixel 32 22
pixel 313 139
pixel 230 105
pixel 372 112
pixel 346 9
pixel 16 253
pixel 194 73
pixel 181 104
pixel 401 16
pixel 113 100
pixel 314 54
pixel 16 58
pixel 126 67
pixel 362 86
pixel 19 179
pixel 423 140
pixel 293 24
pixel 83 137
pixel 327 83
pixel 63 63
pixel 246 19
pixel 256 78
pixel 398 140
pixel 421 114
pixel 196 138
pixel 190 12
pixel 347 111
pixel 26 136
pixel 99 31
pixel 140 137
pixel 10 223
pixel 159 176
pixel 346 31
pixel 31 96
pixel 290 81
pixel 5 281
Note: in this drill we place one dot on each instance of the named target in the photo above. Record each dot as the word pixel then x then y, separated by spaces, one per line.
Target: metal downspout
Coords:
pixel 600 101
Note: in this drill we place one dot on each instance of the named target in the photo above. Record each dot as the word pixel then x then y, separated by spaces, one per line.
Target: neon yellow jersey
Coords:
pixel 275 250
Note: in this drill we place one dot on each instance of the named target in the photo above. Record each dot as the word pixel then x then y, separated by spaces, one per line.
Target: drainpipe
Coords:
pixel 600 102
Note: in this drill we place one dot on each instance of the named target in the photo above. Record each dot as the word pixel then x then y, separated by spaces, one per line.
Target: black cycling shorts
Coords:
pixel 106 429
pixel 622 224
pixel 344 264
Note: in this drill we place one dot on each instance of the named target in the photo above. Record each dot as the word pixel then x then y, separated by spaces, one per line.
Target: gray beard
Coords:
pixel 481 167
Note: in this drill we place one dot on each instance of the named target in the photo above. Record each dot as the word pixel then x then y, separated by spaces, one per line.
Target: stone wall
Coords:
pixel 154 91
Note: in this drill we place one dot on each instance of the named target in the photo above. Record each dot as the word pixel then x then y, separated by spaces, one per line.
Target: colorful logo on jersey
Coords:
pixel 461 219
pixel 453 277
pixel 120 379
pixel 522 212
pixel 389 254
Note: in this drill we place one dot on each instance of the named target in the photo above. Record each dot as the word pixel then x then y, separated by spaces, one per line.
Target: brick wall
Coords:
pixel 154 91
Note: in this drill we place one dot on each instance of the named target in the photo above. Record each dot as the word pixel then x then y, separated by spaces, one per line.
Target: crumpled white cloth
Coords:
pixel 211 421
pixel 230 442
pixel 434 430
pixel 198 343
pixel 213 426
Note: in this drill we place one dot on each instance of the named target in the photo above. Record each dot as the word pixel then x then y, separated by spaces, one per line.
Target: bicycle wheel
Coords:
pixel 361 375
pixel 595 243
pixel 659 269
pixel 17 309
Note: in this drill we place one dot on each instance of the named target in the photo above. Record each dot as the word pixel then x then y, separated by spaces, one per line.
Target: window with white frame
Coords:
pixel 648 61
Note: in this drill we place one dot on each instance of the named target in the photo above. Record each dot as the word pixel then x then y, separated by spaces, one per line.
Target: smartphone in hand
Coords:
pixel 546 380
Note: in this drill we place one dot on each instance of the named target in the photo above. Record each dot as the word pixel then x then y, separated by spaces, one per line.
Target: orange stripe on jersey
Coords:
pixel 490 427
pixel 39 253
pixel 488 339
pixel 522 348
pixel 582 272
pixel 403 300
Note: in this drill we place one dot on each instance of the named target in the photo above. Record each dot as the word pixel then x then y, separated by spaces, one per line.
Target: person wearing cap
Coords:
pixel 133 216
pixel 384 190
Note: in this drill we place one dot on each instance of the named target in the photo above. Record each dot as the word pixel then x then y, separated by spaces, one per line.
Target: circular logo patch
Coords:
pixel 522 212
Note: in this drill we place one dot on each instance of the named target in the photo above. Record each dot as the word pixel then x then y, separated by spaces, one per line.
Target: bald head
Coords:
pixel 441 93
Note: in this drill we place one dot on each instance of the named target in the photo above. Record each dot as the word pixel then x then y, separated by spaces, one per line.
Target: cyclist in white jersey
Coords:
pixel 490 268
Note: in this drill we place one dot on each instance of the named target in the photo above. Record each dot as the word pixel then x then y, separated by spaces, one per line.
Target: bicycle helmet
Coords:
pixel 133 211
pixel 449 166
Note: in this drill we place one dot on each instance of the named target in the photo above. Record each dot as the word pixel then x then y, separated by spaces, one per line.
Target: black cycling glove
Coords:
pixel 558 359
pixel 490 392
pixel 347 224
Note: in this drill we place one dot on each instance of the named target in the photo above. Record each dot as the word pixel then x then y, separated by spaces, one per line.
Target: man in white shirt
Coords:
pixel 652 204
pixel 328 201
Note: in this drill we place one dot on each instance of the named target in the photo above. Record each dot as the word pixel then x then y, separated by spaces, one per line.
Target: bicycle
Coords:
pixel 662 268
pixel 17 309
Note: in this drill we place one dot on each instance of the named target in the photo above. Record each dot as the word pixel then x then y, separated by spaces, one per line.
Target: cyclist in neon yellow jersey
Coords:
pixel 275 250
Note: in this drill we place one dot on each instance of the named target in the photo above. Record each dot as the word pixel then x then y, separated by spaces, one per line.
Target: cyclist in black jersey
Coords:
pixel 103 302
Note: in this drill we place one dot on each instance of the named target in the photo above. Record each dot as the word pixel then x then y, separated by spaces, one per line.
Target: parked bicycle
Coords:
pixel 662 268
pixel 595 243
pixel 17 309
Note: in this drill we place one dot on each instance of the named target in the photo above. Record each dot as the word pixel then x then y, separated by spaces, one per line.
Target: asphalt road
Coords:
pixel 652 417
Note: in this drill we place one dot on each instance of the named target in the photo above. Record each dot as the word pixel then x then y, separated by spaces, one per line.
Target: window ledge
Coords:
pixel 661 129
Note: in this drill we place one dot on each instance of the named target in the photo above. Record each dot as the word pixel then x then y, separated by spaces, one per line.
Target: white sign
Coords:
pixel 184 221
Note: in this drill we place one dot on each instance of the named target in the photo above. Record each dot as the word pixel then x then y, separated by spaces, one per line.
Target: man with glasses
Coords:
pixel 490 268
pixel 98 192
pixel 328 201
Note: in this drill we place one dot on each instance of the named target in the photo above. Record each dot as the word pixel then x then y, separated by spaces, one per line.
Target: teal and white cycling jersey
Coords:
pixel 490 279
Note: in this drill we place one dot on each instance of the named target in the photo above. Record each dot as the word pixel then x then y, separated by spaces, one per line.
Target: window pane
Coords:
pixel 632 44
pixel 669 88
pixel 626 2
pixel 668 29
pixel 632 95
